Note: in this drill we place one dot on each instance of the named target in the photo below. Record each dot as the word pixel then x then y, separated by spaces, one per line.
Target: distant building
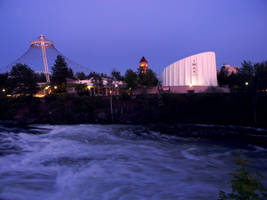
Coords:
pixel 230 69
pixel 143 65
pixel 90 82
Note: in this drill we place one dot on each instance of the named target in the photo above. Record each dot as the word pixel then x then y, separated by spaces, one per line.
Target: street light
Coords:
pixel 55 87
pixel 89 87
pixel 3 90
pixel 246 83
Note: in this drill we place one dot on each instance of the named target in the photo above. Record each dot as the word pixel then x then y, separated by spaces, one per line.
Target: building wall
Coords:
pixel 196 70
pixel 195 89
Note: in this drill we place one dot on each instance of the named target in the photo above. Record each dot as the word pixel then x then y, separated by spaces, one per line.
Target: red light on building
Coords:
pixel 143 65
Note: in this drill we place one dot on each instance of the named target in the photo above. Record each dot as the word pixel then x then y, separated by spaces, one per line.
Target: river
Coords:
pixel 84 162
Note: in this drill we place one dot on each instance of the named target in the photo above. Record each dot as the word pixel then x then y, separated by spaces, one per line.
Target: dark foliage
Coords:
pixel 80 75
pixel 23 80
pixel 246 184
pixel 60 74
pixel 4 84
pixel 61 71
pixel 116 75
pixel 251 77
pixel 40 77
pixel 147 79
pixel 130 79
pixel 224 109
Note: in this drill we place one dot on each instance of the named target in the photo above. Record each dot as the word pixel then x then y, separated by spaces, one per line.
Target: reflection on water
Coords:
pixel 114 162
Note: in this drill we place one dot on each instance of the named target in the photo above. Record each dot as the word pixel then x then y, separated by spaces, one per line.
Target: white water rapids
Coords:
pixel 91 162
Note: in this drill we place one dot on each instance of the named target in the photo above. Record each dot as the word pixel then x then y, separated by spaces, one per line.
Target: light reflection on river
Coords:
pixel 84 162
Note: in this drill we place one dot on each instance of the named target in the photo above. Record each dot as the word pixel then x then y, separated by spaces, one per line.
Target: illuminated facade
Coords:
pixel 196 70
pixel 41 56
pixel 143 65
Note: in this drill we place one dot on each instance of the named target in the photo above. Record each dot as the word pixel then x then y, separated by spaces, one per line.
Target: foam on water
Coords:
pixel 112 162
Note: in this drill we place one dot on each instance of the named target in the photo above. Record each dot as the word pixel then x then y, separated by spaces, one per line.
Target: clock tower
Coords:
pixel 143 65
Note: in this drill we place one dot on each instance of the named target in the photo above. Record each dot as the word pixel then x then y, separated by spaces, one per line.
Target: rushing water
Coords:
pixel 85 162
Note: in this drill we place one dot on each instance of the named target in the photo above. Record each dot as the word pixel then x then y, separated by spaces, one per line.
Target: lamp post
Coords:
pixel 111 105
pixel 116 89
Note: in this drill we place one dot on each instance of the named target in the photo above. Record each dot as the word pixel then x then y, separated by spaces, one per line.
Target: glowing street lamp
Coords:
pixel 89 87
pixel 3 90
pixel 246 83
pixel 55 87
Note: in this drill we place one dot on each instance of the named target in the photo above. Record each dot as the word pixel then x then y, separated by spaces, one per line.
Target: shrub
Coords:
pixel 245 183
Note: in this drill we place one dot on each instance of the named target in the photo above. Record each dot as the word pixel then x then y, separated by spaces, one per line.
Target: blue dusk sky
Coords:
pixel 114 34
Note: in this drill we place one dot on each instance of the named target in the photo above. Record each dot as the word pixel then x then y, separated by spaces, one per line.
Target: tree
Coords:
pixel 247 75
pixel 116 75
pixel 245 183
pixel 261 76
pixel 97 80
pixel 223 77
pixel 23 80
pixel 251 77
pixel 91 75
pixel 3 79
pixel 61 71
pixel 247 69
pixel 147 79
pixel 40 77
pixel 130 79
pixel 70 74
pixel 60 74
pixel 4 85
pixel 80 75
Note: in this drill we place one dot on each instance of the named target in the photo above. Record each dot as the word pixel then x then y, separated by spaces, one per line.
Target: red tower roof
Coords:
pixel 143 60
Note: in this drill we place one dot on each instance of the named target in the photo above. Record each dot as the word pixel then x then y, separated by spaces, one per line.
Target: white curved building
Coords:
pixel 196 70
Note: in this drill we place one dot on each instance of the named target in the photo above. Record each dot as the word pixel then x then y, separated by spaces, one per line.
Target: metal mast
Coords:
pixel 44 59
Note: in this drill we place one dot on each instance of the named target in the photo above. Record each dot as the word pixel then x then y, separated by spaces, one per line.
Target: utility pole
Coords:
pixel 111 105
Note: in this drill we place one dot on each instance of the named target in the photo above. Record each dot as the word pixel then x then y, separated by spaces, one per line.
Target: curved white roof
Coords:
pixel 198 70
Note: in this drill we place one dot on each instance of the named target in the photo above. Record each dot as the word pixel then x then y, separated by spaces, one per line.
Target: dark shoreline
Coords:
pixel 220 116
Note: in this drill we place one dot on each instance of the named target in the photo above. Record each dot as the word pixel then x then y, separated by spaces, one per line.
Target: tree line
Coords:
pixel 250 77
pixel 24 81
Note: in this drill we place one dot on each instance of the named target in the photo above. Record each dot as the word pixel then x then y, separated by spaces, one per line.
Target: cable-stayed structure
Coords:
pixel 41 56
